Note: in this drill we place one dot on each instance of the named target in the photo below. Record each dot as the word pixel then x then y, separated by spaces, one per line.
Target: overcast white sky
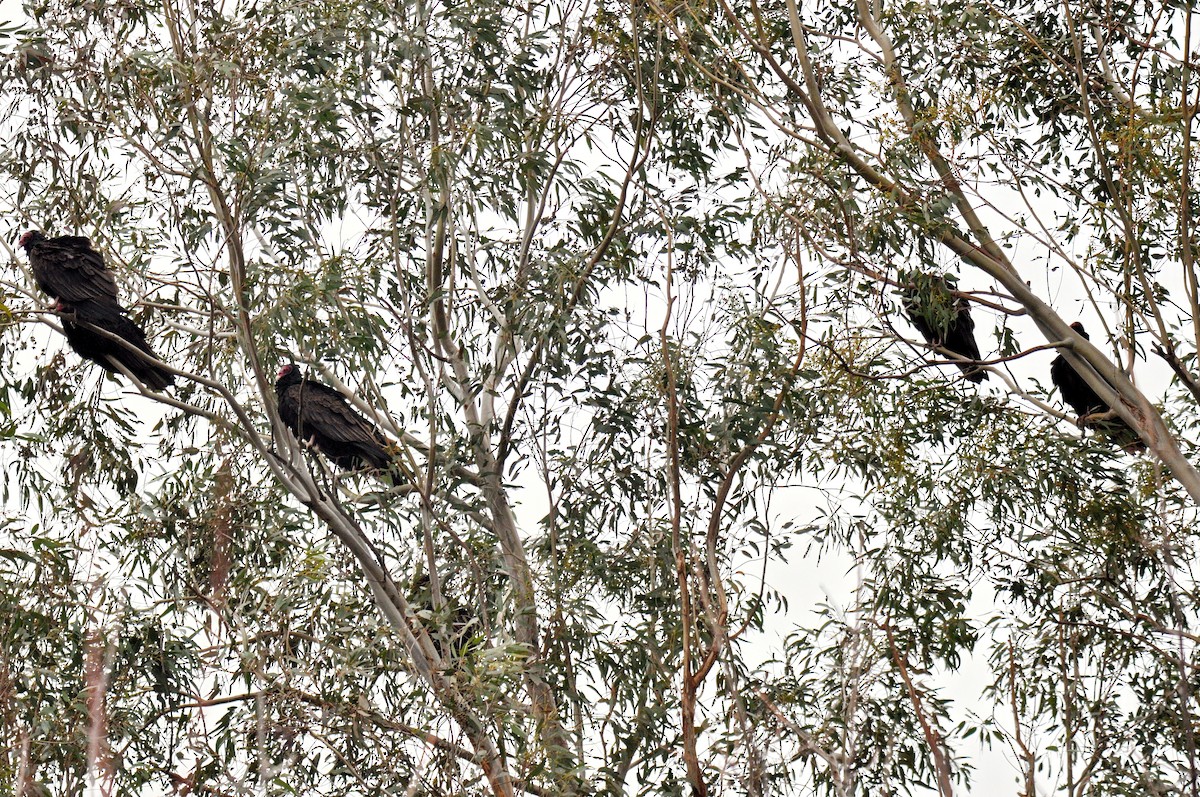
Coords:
pixel 10 10
pixel 832 580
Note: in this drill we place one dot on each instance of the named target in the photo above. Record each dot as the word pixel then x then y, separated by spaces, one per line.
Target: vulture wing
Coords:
pixel 1085 401
pixel 1077 393
pixel 945 321
pixel 319 413
pixel 69 269
pixel 82 334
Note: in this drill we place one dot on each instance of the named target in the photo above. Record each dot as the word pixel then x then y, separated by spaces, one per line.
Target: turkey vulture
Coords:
pixel 1087 403
pixel 70 270
pixel 77 320
pixel 321 415
pixel 943 320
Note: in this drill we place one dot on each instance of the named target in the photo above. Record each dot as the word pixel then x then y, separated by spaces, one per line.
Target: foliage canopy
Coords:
pixel 624 281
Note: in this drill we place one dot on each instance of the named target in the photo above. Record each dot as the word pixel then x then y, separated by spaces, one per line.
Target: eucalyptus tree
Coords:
pixel 441 209
pixel 624 283
pixel 1042 155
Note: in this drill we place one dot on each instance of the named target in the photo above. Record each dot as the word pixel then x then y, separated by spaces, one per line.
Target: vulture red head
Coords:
pixel 30 238
pixel 288 375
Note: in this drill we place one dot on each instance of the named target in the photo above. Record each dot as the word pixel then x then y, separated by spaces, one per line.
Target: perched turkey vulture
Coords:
pixel 1087 403
pixel 77 320
pixel 70 270
pixel 943 320
pixel 321 415
pixel 73 273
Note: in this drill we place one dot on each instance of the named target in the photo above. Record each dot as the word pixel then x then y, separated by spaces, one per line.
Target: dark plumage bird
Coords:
pixel 943 320
pixel 70 270
pixel 321 415
pixel 78 320
pixel 1080 396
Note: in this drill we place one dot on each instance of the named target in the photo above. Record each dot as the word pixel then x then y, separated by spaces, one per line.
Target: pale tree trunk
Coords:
pixel 1108 380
